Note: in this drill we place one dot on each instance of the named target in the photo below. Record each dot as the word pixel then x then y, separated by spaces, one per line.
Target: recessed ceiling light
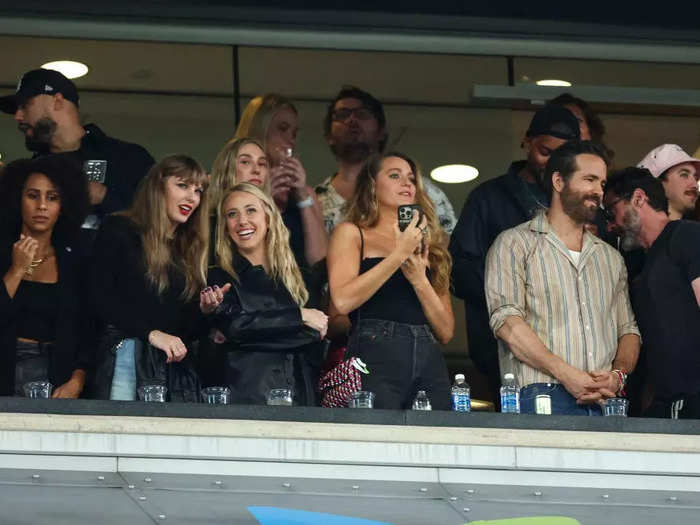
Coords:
pixel 553 83
pixel 454 173
pixel 69 68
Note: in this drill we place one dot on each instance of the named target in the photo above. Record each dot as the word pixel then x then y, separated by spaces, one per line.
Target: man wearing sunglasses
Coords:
pixel 666 294
pixel 355 128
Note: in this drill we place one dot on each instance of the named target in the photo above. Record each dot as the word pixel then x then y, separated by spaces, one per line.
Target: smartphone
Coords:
pixel 406 215
pixel 95 170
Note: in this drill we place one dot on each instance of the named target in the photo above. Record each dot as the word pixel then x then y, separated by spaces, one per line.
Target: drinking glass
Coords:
pixel 280 397
pixel 216 395
pixel 153 393
pixel 615 406
pixel 38 389
pixel 362 399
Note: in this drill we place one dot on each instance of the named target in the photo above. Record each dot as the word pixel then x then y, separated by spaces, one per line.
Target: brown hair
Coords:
pixel 188 248
pixel 363 211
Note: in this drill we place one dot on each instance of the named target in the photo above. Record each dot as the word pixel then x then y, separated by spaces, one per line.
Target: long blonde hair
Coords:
pixel 223 170
pixel 258 114
pixel 188 248
pixel 363 211
pixel 283 265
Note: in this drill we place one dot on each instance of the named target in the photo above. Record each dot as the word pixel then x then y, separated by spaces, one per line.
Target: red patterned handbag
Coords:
pixel 338 384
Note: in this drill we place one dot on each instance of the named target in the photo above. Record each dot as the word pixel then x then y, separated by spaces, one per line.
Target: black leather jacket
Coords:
pixel 268 346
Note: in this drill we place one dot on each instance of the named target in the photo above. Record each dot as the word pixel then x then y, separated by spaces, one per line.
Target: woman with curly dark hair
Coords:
pixel 43 202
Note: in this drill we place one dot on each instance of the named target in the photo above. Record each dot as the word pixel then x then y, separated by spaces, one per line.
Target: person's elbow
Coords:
pixel 342 303
pixel 446 334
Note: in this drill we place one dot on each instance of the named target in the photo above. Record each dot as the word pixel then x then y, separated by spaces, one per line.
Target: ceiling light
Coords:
pixel 454 173
pixel 69 68
pixel 553 83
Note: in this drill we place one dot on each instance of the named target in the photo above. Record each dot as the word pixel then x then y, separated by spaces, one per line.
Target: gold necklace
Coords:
pixel 34 265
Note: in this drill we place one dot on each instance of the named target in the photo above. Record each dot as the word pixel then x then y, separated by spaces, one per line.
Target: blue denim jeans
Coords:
pixel 124 380
pixel 563 403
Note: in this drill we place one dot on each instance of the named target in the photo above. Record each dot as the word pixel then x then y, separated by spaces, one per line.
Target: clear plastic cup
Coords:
pixel 38 389
pixel 216 395
pixel 615 406
pixel 361 399
pixel 280 397
pixel 153 393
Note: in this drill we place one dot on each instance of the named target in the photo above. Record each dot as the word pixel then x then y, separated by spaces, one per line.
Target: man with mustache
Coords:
pixel 45 107
pixel 679 173
pixel 557 295
pixel 494 206
pixel 666 294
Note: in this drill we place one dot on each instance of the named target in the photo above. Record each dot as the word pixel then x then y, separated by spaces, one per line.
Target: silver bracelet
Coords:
pixel 308 201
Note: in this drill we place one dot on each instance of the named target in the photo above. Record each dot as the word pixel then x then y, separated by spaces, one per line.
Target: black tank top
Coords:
pixel 37 310
pixel 395 300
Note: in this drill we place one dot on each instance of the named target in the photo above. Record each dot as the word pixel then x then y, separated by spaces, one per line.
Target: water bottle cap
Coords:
pixel 509 376
pixel 421 393
pixel 459 376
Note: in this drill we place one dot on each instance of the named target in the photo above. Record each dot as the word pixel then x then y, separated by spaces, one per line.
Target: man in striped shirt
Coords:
pixel 557 295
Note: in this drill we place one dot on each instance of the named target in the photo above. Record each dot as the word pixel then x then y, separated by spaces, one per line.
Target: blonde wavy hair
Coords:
pixel 258 114
pixel 363 211
pixel 283 265
pixel 188 248
pixel 223 170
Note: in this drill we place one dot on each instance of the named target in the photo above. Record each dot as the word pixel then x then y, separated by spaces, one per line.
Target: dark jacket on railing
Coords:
pixel 268 346
pixel 70 351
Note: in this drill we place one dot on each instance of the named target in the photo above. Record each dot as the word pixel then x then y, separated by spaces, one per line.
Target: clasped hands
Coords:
pixel 592 387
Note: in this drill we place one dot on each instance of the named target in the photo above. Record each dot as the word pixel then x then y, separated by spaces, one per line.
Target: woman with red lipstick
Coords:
pixel 394 285
pixel 150 264
pixel 44 202
pixel 263 334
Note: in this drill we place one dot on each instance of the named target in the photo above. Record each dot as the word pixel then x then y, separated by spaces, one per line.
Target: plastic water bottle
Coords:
pixel 510 395
pixel 461 400
pixel 421 402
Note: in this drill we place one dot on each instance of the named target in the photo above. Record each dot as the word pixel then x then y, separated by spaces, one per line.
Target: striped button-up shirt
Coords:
pixel 578 310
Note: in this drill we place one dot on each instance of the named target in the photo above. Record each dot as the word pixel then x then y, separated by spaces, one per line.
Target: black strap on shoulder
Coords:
pixel 362 244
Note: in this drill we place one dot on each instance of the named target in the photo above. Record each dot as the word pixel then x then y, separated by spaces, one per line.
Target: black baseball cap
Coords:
pixel 556 121
pixel 39 82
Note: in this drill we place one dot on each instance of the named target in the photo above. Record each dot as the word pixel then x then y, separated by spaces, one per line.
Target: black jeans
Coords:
pixel 402 359
pixel 31 364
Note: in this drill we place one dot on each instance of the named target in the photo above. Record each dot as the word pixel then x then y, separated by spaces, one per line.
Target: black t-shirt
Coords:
pixel 667 310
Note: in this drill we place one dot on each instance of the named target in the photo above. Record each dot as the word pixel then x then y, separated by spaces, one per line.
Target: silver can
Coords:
pixel 543 404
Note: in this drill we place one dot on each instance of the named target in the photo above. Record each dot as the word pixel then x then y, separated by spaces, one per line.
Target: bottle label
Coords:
pixel 461 403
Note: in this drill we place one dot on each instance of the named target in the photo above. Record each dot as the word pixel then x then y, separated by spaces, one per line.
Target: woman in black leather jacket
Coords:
pixel 259 327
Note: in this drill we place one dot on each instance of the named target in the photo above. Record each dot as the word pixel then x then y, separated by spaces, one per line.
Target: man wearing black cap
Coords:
pixel 45 107
pixel 497 205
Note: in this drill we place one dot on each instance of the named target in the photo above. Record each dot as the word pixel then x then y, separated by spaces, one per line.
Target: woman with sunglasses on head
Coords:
pixel 261 331
pixel 43 203
pixel 394 285
pixel 150 265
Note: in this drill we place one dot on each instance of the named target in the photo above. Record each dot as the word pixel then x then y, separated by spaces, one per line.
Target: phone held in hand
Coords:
pixel 95 170
pixel 406 215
